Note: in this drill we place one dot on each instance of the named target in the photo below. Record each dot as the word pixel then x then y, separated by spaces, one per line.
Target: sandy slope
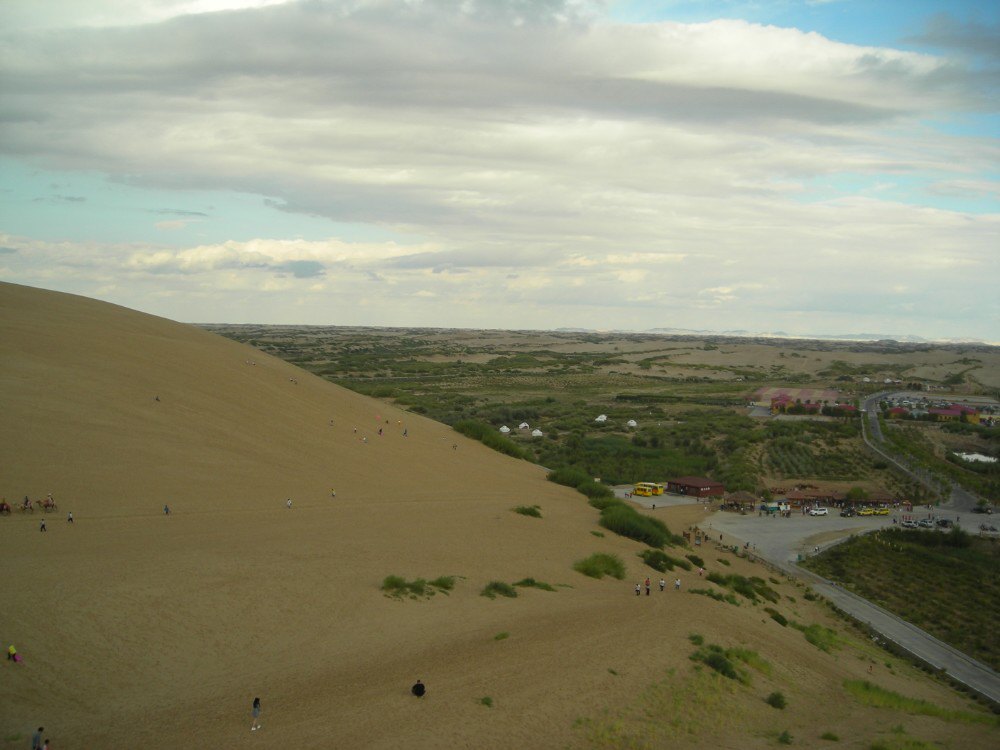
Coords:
pixel 141 630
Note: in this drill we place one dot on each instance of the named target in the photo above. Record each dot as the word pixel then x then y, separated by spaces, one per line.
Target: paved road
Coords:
pixel 781 540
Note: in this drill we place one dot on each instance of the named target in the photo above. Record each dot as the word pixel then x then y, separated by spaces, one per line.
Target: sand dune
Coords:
pixel 141 630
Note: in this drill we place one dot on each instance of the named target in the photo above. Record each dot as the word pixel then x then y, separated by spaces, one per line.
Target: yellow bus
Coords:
pixel 647 489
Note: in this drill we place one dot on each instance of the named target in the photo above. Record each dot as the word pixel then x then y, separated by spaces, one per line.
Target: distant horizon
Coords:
pixel 815 166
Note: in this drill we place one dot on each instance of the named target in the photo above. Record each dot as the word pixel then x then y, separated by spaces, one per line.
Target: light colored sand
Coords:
pixel 140 630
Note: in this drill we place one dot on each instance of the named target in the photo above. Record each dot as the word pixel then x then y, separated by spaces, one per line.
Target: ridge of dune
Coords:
pixel 140 629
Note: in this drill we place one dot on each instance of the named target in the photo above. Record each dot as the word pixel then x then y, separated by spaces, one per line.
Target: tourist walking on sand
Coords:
pixel 288 503
pixel 42 527
pixel 638 589
pixel 36 739
pixel 663 584
pixel 647 585
pixel 69 518
pixel 255 711
pixel 418 689
pixel 677 584
pixel 166 510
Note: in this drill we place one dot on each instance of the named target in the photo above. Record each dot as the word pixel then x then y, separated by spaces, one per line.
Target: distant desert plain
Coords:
pixel 142 629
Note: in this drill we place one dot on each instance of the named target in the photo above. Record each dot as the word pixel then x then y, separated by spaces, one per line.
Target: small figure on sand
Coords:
pixel 288 503
pixel 255 711
pixel 69 518
pixel 663 584
pixel 42 527
pixel 36 739
pixel 638 589
pixel 677 584
pixel 166 510
pixel 647 585
pixel 418 689
pixel 333 493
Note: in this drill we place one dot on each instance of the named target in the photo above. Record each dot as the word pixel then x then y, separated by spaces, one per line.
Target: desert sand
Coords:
pixel 145 630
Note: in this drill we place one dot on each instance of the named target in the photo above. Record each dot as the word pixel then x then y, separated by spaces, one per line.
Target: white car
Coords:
pixel 818 511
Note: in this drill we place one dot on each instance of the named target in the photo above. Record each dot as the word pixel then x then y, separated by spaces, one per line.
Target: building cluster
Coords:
pixel 940 411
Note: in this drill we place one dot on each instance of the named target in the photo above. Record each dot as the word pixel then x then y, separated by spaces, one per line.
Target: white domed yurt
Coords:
pixel 602 418
pixel 505 429
pixel 632 423
pixel 536 433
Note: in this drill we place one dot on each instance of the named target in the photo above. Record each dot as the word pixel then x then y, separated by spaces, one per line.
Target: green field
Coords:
pixel 946 583
pixel 689 397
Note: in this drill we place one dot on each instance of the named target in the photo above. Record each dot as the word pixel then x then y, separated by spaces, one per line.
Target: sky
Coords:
pixel 810 167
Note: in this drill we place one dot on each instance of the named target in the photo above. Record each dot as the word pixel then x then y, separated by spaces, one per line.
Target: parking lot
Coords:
pixel 782 540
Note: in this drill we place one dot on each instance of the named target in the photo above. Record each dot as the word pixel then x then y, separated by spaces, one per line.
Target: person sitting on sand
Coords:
pixel 12 653
pixel 418 689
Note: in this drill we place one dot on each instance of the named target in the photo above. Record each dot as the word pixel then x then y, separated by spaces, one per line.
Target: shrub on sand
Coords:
pixel 599 565
pixel 493 589
pixel 534 511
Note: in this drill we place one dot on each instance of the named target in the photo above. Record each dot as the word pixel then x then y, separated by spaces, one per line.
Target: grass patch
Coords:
pixel 532 583
pixel 486 701
pixel 489 437
pixel 695 560
pixel 662 562
pixel 493 589
pixel 696 639
pixel 717 595
pixel 398 587
pixel 785 738
pixel 444 584
pixel 611 671
pixel 751 588
pixel 724 561
pixel 724 661
pixel 869 694
pixel 501 636
pixel 829 737
pixel 777 616
pixel 535 511
pixel 821 637
pixel 626 521
pixel 599 565
pixel 598 534
pixel 776 700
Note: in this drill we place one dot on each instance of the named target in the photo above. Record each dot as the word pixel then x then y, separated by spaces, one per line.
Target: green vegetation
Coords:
pixel 695 560
pixel 717 595
pixel 501 636
pixel 532 583
pixel 627 521
pixel 488 436
pixel 829 736
pixel 726 661
pixel 927 578
pixel 486 701
pixel 869 694
pixel 599 565
pixel 785 738
pixel 661 561
pixel 696 639
pixel 493 589
pixel 776 616
pixel 398 587
pixel 529 510
pixel 750 588
pixel 776 700
pixel 821 637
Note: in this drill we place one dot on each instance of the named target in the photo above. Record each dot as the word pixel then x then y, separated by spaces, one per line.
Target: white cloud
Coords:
pixel 583 158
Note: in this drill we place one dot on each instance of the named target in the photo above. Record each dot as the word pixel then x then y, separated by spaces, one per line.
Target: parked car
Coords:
pixel 945 523
pixel 926 523
pixel 848 512
pixel 987 527
pixel 909 524
pixel 866 512
pixel 881 511
pixel 982 509
pixel 818 511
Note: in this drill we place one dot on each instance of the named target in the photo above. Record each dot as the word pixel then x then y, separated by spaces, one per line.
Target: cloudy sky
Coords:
pixel 806 166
